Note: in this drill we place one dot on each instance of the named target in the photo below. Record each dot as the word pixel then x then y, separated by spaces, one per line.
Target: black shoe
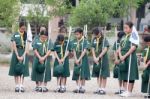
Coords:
pixel 17 89
pixel 62 90
pixel 40 89
pixel 36 89
pixel 76 91
pixel 22 89
pixel 102 92
pixel 119 92
pixel 147 97
pixel 44 89
pixel 82 90
pixel 96 92
pixel 57 90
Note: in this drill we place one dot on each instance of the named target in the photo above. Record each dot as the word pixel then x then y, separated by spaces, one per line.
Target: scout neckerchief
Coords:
pixel 78 44
pixel 146 56
pixel 22 41
pixel 43 46
pixel 62 55
pixel 124 41
pixel 97 43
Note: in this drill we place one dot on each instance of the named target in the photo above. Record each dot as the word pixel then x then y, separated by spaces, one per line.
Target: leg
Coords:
pixel 17 83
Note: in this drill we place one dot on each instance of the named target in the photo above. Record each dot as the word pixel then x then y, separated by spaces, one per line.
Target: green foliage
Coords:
pixel 58 7
pixel 92 12
pixel 9 10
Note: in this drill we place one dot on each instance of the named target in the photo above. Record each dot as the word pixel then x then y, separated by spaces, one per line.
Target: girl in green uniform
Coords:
pixel 63 31
pixel 36 38
pixel 116 61
pixel 61 65
pixel 81 67
pixel 145 88
pixel 41 72
pixel 127 55
pixel 100 47
pixel 19 61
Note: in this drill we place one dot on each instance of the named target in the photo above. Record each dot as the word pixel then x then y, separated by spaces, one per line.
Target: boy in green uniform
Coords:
pixel 41 72
pixel 145 88
pixel 128 68
pixel 81 67
pixel 19 61
pixel 61 65
pixel 100 47
pixel 116 61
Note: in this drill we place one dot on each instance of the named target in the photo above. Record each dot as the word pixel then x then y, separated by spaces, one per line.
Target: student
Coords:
pixel 36 38
pixel 19 64
pixel 116 61
pixel 63 31
pixel 41 72
pixel 146 72
pixel 100 47
pixel 61 65
pixel 127 51
pixel 81 67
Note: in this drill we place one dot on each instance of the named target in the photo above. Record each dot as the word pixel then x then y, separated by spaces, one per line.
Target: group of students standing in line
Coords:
pixel 43 46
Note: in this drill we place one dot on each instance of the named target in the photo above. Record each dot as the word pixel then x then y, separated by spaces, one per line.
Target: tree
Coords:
pixel 9 10
pixel 92 12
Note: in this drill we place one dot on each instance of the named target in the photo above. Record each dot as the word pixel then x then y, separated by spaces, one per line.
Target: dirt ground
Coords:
pixel 7 86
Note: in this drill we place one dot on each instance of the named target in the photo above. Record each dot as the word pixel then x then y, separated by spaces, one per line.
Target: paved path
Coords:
pixel 7 89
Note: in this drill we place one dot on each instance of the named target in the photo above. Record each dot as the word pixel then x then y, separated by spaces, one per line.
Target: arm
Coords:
pixel 131 50
pixel 75 56
pixel 82 54
pixel 37 54
pixel 15 48
pixel 47 54
pixel 103 52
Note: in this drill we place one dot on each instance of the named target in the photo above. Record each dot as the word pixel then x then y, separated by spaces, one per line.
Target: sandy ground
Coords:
pixel 7 89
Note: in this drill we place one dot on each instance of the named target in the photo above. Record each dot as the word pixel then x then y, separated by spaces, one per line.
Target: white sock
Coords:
pixel 21 85
pixel 62 86
pixel 78 87
pixel 58 86
pixel 83 87
pixel 103 89
pixel 122 88
pixel 17 85
pixel 99 89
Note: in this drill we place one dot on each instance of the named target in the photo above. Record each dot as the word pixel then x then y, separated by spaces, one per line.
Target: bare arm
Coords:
pixel 37 53
pixel 93 53
pixel 56 55
pixel 14 48
pixel 47 54
pixel 131 50
pixel 103 52
pixel 82 54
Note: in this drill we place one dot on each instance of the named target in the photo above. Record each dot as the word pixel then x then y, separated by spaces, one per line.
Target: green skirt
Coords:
pixel 14 62
pixel 134 75
pixel 145 81
pixel 66 71
pixel 104 69
pixel 36 76
pixel 84 70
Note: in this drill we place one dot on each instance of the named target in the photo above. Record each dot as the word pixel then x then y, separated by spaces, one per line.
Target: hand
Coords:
pixel 148 63
pixel 41 59
pixel 62 60
pixel 122 58
pixel 96 60
pixel 77 62
pixel 20 58
pixel 117 62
